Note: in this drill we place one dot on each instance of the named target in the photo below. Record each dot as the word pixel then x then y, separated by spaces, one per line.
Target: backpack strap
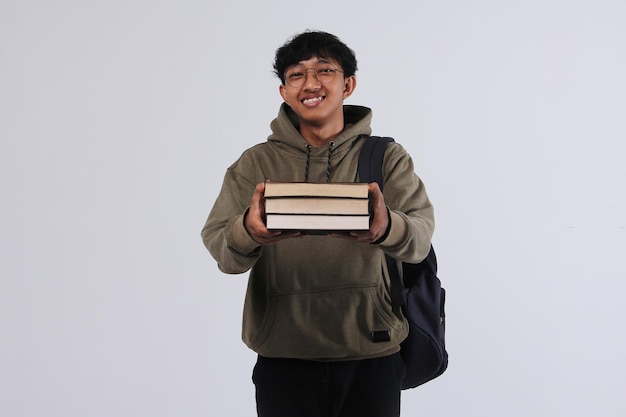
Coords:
pixel 371 170
pixel 371 159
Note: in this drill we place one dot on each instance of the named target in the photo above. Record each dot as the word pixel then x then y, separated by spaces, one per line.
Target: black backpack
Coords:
pixel 418 291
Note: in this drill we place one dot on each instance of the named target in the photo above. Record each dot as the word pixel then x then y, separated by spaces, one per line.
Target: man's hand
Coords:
pixel 255 225
pixel 380 219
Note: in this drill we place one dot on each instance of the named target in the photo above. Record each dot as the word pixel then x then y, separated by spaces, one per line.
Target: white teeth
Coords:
pixel 312 100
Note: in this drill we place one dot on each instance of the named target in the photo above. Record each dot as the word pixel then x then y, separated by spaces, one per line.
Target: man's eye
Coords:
pixel 295 75
pixel 326 70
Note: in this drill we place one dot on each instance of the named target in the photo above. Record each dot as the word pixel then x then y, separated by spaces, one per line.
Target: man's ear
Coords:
pixel 349 86
pixel 283 92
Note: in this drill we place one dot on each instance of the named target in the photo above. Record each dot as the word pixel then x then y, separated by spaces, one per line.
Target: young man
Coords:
pixel 313 301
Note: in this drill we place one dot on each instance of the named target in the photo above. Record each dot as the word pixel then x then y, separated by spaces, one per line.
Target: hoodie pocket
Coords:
pixel 327 324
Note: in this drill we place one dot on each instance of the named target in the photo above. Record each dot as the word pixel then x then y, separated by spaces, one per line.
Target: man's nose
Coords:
pixel 311 78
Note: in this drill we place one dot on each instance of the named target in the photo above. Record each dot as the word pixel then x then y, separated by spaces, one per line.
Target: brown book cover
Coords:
pixel 317 205
pixel 312 189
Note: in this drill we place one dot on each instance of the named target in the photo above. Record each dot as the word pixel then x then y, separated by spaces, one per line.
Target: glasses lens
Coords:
pixel 324 73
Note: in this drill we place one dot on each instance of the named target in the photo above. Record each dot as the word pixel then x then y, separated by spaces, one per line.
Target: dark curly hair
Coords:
pixel 313 43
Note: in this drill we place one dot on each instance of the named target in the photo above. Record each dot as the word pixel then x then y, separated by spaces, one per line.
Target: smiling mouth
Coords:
pixel 312 101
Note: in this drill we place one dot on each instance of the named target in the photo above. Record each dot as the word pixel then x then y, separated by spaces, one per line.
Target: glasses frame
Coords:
pixel 335 71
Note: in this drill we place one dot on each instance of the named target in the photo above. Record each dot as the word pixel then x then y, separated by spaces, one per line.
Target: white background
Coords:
pixel 119 118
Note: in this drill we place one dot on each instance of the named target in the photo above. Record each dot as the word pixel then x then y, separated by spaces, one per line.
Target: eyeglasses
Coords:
pixel 324 73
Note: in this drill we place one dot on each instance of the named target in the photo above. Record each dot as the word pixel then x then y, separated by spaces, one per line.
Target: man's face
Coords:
pixel 317 101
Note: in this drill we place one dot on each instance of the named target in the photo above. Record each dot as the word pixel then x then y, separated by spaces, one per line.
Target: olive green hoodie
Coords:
pixel 318 297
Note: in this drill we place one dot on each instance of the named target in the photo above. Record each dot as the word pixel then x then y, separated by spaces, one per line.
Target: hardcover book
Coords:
pixel 316 206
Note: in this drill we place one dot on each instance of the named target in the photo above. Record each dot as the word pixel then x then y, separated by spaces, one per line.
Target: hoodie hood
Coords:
pixel 286 134
pixel 285 129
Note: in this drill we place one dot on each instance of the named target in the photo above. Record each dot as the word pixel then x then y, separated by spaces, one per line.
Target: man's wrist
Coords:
pixel 242 237
pixel 386 234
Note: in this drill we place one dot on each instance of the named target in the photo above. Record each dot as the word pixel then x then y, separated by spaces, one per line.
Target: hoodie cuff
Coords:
pixel 241 237
pixel 397 230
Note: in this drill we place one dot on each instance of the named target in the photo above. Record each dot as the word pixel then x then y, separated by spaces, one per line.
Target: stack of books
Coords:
pixel 316 206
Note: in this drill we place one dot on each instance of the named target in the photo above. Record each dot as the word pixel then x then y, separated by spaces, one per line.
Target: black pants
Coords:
pixel 299 388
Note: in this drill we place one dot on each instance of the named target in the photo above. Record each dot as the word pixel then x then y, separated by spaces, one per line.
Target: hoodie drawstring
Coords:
pixel 330 151
pixel 308 160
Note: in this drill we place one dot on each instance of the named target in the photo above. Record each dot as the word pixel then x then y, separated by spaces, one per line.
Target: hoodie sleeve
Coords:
pixel 410 210
pixel 224 234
